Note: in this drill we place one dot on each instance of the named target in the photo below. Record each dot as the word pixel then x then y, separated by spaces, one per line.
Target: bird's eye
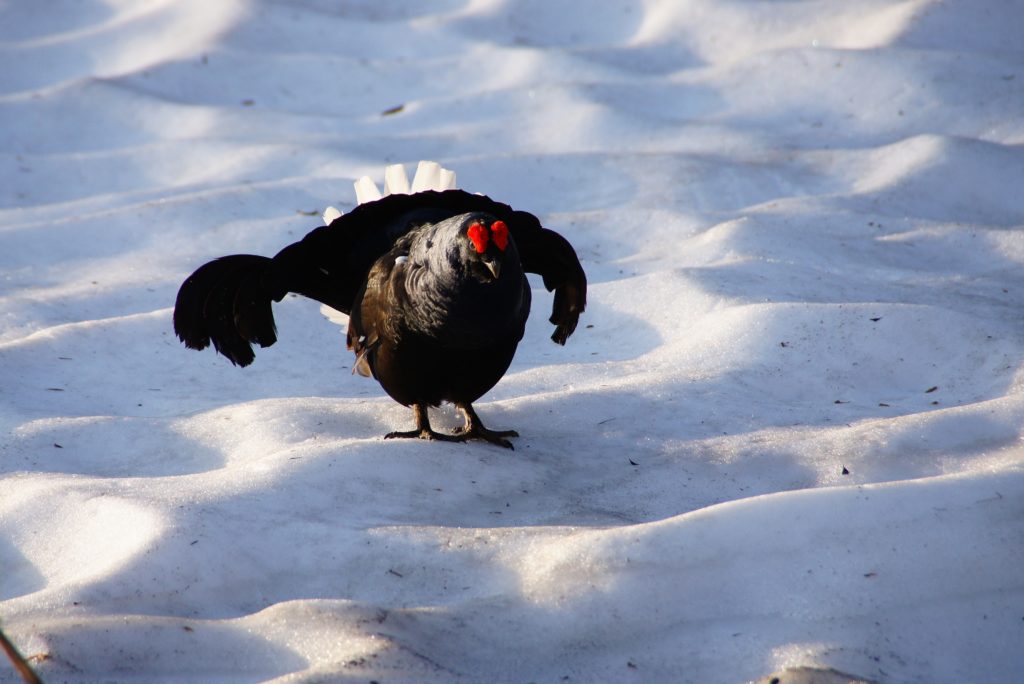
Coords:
pixel 499 231
pixel 478 235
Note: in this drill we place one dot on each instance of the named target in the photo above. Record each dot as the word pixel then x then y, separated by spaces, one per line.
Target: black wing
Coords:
pixel 550 255
pixel 227 301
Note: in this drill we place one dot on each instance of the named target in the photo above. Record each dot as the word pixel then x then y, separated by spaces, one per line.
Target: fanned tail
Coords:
pixel 429 176
pixel 223 303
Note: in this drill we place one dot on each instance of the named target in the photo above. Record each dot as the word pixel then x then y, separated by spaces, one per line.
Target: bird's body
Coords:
pixel 431 329
pixel 434 286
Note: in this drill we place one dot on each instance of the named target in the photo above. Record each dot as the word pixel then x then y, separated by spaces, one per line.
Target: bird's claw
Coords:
pixel 423 434
pixel 473 429
pixel 482 433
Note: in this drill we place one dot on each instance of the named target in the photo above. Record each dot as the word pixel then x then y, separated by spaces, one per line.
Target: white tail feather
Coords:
pixel 334 316
pixel 395 180
pixel 446 180
pixel 366 191
pixel 429 176
pixel 330 213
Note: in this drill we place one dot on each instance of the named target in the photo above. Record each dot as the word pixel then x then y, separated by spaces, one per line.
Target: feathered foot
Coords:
pixel 474 429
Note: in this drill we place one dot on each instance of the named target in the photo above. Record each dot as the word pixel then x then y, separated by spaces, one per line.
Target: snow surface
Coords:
pixel 787 433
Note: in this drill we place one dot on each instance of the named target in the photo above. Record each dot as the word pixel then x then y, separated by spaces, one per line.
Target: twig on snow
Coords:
pixel 20 664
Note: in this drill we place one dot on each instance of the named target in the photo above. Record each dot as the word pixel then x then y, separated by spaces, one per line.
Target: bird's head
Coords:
pixel 486 245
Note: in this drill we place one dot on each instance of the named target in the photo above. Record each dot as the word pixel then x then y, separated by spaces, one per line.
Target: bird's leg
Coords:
pixel 474 429
pixel 423 429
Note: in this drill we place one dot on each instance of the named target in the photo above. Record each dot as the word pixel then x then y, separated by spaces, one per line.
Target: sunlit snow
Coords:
pixel 787 432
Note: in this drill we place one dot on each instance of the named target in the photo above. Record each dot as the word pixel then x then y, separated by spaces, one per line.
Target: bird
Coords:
pixel 433 282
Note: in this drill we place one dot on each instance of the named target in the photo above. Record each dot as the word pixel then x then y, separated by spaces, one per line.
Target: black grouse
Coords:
pixel 434 286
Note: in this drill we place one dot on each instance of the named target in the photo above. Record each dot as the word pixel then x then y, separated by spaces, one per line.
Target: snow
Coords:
pixel 786 434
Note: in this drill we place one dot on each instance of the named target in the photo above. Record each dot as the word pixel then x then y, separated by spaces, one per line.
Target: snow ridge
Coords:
pixel 786 435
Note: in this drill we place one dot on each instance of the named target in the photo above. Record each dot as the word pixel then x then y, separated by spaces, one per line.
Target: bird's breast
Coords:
pixel 462 311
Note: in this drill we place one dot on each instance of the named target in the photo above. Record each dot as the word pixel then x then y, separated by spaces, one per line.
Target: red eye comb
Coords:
pixel 499 231
pixel 478 235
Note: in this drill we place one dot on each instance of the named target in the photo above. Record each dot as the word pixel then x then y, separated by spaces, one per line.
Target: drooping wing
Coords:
pixel 550 255
pixel 222 302
pixel 228 300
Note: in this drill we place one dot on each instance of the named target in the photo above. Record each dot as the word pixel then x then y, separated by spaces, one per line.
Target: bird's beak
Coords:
pixel 494 266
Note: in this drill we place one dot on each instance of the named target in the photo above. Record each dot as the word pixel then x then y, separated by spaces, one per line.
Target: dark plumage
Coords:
pixel 433 284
